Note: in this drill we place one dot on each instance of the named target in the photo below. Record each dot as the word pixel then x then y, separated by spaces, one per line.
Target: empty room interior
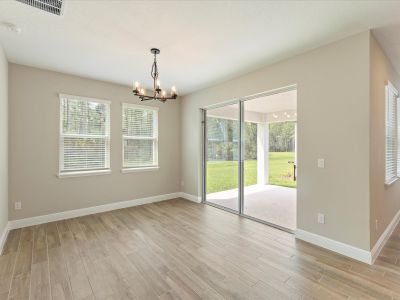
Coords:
pixel 199 149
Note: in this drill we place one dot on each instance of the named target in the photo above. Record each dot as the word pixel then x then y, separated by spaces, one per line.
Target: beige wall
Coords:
pixel 3 140
pixel 385 200
pixel 34 146
pixel 340 118
pixel 333 123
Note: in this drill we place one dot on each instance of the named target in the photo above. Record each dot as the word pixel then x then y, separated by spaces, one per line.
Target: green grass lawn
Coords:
pixel 223 175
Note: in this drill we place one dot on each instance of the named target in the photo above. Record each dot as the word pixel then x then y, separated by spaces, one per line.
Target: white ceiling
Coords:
pixel 202 42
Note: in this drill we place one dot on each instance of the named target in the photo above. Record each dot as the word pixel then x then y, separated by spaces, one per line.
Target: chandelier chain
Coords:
pixel 154 72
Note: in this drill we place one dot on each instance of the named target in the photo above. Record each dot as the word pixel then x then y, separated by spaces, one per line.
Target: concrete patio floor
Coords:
pixel 271 203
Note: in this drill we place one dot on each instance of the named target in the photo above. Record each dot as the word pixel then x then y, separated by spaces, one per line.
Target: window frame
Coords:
pixel 84 172
pixel 398 134
pixel 155 166
pixel 389 91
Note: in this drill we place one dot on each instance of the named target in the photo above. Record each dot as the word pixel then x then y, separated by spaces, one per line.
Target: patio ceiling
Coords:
pixel 274 108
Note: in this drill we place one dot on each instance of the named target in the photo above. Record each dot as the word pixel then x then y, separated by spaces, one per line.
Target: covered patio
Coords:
pixel 270 134
pixel 270 203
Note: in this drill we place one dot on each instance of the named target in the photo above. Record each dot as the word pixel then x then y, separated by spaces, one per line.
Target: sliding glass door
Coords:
pixel 269 191
pixel 249 164
pixel 222 156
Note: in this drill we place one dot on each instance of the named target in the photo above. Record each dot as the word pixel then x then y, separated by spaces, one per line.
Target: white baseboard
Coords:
pixel 14 224
pixel 321 241
pixel 335 246
pixel 190 197
pixel 380 243
pixel 3 237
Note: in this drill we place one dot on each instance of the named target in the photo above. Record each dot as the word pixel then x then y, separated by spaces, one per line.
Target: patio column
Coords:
pixel 295 142
pixel 262 153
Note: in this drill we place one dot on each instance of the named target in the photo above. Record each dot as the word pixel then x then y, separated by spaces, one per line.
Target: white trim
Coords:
pixel 389 91
pixel 4 236
pixel 14 224
pixel 106 137
pixel 83 173
pixel 335 246
pixel 154 138
pixel 147 138
pixel 384 237
pixel 390 182
pixel 83 98
pixel 141 169
pixel 147 107
pixel 250 97
pixel 190 197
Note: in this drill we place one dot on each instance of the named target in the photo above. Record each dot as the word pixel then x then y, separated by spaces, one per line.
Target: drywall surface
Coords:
pixel 333 123
pixel 34 146
pixel 3 140
pixel 385 200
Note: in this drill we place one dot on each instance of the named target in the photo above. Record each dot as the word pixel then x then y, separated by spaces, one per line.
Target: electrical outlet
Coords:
pixel 321 163
pixel 18 205
pixel 321 218
pixel 376 224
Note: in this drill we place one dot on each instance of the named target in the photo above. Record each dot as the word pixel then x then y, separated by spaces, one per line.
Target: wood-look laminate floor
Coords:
pixel 180 250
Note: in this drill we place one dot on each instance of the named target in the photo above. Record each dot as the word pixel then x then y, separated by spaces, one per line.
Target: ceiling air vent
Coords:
pixel 51 6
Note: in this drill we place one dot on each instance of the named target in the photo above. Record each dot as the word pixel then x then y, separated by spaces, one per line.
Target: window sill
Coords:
pixel 389 183
pixel 142 169
pixel 83 173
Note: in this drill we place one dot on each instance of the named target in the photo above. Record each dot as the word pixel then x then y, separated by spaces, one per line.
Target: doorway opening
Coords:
pixel 250 157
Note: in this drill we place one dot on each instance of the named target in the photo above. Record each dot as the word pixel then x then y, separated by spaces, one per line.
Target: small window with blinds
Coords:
pixel 392 125
pixel 139 137
pixel 84 136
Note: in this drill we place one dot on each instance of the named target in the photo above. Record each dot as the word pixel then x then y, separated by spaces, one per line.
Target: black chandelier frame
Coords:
pixel 158 93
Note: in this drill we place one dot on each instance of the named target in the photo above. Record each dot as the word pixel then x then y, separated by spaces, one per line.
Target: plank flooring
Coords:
pixel 181 250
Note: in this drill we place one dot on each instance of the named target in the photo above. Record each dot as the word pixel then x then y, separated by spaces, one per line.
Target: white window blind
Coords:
pixel 398 134
pixel 84 134
pixel 140 136
pixel 392 125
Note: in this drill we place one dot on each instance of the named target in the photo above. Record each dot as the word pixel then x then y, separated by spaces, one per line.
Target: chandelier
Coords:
pixel 157 93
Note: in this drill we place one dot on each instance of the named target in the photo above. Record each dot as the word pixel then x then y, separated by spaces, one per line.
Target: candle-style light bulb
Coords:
pixel 163 93
pixel 158 83
pixel 136 85
pixel 142 91
pixel 173 90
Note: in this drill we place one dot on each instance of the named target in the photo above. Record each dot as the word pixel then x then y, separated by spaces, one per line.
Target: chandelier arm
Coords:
pixel 156 87
pixel 162 99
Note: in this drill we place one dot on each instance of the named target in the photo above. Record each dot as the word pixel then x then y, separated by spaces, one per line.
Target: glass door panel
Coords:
pixel 269 137
pixel 222 156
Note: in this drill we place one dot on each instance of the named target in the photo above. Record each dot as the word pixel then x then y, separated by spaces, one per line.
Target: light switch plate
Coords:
pixel 321 163
pixel 17 205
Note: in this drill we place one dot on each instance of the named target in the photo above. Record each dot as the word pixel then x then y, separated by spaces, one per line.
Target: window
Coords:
pixel 140 136
pixel 392 169
pixel 84 135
